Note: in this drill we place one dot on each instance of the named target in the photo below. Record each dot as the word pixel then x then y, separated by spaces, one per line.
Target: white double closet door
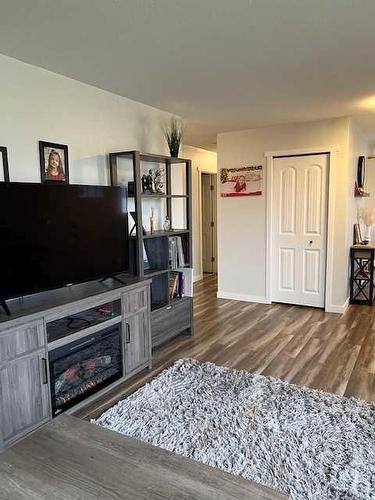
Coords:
pixel 299 226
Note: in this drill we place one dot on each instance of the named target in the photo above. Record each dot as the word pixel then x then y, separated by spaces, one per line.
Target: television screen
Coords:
pixel 55 235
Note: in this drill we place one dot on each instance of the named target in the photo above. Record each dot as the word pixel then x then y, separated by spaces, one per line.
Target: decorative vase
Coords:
pixel 152 221
pixel 173 136
pixel 173 151
pixel 367 237
pixel 167 224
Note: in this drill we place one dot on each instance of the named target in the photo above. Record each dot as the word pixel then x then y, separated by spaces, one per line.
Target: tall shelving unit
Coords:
pixel 149 251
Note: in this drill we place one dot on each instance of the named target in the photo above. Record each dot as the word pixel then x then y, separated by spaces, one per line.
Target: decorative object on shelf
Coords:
pixel 147 183
pixel 131 191
pixel 167 224
pixel 367 215
pixel 173 136
pixel 152 221
pixel 152 183
pixel 359 189
pixel 4 164
pixel 357 236
pixel 134 227
pixel 54 166
pixel 243 181
pixel 157 180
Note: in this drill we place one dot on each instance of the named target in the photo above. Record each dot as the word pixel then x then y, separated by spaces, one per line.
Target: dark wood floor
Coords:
pixel 302 345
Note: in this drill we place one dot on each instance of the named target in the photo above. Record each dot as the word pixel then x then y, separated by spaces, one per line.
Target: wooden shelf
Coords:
pixel 154 272
pixel 159 195
pixel 172 232
pixel 163 234
pixel 150 157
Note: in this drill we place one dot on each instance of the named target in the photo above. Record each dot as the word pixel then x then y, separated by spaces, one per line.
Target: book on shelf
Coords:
pixel 176 252
pixel 181 283
pixel 176 285
pixel 187 273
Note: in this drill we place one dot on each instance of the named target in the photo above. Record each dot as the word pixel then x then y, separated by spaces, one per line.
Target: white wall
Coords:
pixel 202 161
pixel 36 104
pixel 242 220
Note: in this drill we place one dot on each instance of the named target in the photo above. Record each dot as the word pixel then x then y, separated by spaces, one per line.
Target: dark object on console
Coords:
pixel 131 188
pixel 4 155
pixel 4 305
pixel 57 234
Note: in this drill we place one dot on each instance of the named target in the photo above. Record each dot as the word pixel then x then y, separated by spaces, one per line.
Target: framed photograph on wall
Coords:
pixel 54 165
pixel 241 181
pixel 4 167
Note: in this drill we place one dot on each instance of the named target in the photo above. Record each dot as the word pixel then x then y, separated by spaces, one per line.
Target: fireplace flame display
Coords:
pixel 80 369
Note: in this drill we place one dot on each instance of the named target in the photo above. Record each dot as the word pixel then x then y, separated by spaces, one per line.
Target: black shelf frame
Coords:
pixel 141 240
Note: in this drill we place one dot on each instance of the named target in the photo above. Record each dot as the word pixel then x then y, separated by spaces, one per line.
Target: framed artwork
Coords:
pixel 54 166
pixel 242 181
pixel 4 167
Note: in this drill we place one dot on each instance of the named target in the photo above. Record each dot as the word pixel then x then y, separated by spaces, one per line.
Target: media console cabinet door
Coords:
pixel 24 395
pixel 137 341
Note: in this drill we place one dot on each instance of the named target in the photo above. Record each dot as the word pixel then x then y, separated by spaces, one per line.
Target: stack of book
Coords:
pixel 176 285
pixel 176 252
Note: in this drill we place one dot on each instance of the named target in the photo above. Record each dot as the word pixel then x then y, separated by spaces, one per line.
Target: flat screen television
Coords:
pixel 52 235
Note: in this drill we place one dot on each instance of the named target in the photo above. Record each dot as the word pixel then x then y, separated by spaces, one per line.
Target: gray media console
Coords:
pixel 64 348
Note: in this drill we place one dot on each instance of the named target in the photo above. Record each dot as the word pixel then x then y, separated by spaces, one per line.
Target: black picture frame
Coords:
pixel 4 157
pixel 361 172
pixel 51 148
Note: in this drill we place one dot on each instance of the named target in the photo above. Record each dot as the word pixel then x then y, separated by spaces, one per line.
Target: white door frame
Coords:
pixel 332 165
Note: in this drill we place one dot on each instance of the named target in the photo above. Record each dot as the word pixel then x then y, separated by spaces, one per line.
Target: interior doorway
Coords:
pixel 209 229
pixel 299 229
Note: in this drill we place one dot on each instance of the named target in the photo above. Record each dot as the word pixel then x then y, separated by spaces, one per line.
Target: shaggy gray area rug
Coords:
pixel 303 442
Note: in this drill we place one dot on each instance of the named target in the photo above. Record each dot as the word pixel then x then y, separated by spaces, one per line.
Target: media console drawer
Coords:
pixel 170 320
pixel 21 340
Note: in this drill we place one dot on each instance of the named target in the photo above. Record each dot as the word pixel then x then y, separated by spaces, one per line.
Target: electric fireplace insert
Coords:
pixel 81 368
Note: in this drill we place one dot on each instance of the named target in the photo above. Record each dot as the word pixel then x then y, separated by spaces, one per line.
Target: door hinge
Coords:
pixel 212 187
pixel 212 259
pixel 212 224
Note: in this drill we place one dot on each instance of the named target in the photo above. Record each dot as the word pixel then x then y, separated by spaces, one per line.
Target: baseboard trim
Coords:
pixel 198 278
pixel 242 297
pixel 332 308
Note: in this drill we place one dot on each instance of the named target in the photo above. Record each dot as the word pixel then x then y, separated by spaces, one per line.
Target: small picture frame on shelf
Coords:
pixel 357 235
pixel 54 165
pixel 4 167
pixel 153 182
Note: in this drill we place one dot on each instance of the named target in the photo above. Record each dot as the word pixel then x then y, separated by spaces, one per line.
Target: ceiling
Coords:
pixel 220 64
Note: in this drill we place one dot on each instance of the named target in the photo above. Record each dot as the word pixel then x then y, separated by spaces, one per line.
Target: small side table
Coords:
pixel 362 274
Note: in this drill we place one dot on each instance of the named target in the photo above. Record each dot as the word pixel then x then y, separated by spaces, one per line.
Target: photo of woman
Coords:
pixel 54 162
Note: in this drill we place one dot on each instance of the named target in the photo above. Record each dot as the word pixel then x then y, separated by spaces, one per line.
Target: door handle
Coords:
pixel 127 339
pixel 44 371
